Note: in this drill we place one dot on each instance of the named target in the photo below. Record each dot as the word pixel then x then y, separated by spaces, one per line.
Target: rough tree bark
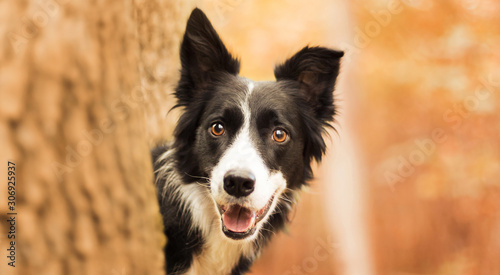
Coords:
pixel 75 79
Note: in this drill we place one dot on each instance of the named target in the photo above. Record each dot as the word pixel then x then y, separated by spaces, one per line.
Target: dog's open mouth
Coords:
pixel 239 222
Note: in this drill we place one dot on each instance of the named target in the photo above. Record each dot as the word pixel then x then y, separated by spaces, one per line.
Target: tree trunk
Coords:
pixel 75 79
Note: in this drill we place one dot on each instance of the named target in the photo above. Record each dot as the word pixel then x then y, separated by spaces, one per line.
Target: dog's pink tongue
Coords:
pixel 238 219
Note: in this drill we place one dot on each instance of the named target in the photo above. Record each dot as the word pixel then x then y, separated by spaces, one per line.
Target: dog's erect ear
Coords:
pixel 203 53
pixel 316 70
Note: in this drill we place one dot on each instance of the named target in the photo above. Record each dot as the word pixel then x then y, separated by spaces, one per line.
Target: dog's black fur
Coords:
pixel 301 100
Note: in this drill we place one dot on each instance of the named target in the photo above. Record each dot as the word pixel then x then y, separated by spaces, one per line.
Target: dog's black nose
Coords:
pixel 239 183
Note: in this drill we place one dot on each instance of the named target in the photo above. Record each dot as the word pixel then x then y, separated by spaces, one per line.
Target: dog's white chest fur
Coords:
pixel 219 256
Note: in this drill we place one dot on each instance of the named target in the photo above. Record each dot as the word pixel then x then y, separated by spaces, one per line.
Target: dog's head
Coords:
pixel 253 142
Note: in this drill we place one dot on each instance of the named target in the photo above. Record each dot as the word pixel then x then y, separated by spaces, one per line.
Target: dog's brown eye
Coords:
pixel 217 129
pixel 279 135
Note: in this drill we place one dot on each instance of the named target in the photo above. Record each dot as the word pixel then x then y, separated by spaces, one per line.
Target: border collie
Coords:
pixel 241 151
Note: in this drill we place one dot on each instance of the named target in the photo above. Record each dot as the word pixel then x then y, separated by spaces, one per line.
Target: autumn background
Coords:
pixel 411 182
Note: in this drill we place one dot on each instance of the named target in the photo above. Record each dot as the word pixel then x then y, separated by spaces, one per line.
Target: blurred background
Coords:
pixel 411 183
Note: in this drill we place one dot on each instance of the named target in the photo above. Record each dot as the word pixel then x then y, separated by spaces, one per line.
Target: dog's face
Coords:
pixel 253 142
pixel 250 145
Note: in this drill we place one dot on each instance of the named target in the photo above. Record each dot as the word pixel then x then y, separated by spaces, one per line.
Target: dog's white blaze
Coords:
pixel 242 154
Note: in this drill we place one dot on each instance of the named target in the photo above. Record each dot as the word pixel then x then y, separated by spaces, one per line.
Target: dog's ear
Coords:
pixel 202 55
pixel 315 69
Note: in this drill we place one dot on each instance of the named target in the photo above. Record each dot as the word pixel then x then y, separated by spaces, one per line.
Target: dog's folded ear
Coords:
pixel 315 69
pixel 203 53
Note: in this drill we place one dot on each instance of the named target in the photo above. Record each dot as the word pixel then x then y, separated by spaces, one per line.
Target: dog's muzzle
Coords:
pixel 238 222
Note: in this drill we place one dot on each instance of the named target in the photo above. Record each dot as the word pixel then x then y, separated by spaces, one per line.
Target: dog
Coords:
pixel 241 151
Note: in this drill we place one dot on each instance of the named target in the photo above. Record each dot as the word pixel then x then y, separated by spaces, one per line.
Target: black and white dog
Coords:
pixel 242 150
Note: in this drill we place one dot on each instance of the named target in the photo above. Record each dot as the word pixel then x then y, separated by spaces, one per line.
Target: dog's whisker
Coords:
pixel 197 177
